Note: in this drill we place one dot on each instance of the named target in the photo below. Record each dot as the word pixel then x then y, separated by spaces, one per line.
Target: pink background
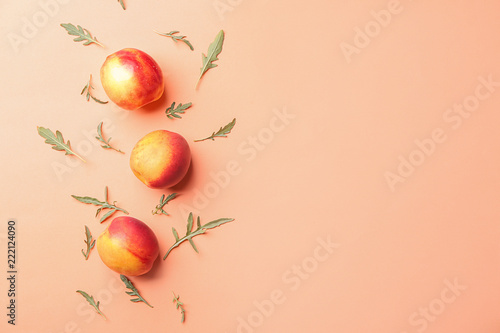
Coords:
pixel 362 87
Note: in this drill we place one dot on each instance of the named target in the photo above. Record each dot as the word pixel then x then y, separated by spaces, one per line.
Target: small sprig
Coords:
pixel 122 4
pixel 173 112
pixel 81 33
pixel 163 201
pixel 57 141
pixel 213 52
pixel 88 87
pixel 92 302
pixel 106 144
pixel 134 291
pixel 201 229
pixel 104 205
pixel 221 132
pixel 179 305
pixel 90 243
pixel 176 38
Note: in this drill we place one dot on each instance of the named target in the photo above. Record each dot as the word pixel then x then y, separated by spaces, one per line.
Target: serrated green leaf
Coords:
pixel 57 141
pixel 175 38
pixel 100 137
pixel 201 230
pixel 134 291
pixel 173 112
pixel 212 55
pixel 89 200
pixel 81 33
pixel 216 223
pixel 91 301
pixel 222 132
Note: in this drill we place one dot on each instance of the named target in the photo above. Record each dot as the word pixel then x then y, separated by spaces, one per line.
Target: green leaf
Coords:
pixel 89 200
pixel 212 55
pixel 134 291
pixel 199 231
pixel 179 305
pixel 92 302
pixel 163 202
pixel 90 243
pixel 216 223
pixel 189 224
pixel 173 112
pixel 100 137
pixel 81 33
pixel 104 205
pixel 175 38
pixel 222 132
pixel 108 214
pixel 57 141
pixel 122 4
pixel 88 88
pixel 176 235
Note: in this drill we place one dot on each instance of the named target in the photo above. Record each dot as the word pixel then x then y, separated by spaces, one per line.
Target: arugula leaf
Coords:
pixel 213 52
pixel 179 305
pixel 134 291
pixel 175 38
pixel 88 87
pixel 201 229
pixel 104 205
pixel 106 144
pixel 172 111
pixel 90 243
pixel 163 202
pixel 57 141
pixel 92 302
pixel 221 132
pixel 81 33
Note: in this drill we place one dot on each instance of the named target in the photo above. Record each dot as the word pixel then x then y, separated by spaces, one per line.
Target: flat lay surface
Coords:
pixel 362 170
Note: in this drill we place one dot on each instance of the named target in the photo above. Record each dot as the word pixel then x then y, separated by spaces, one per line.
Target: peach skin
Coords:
pixel 131 78
pixel 128 246
pixel 160 159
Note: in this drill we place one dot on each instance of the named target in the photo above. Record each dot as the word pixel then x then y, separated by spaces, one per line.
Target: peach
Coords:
pixel 160 159
pixel 128 246
pixel 131 78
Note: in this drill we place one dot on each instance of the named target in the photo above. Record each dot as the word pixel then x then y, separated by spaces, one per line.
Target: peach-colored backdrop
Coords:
pixel 362 173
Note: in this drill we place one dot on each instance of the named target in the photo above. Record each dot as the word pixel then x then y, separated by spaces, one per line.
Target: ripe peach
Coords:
pixel 131 78
pixel 160 159
pixel 128 246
